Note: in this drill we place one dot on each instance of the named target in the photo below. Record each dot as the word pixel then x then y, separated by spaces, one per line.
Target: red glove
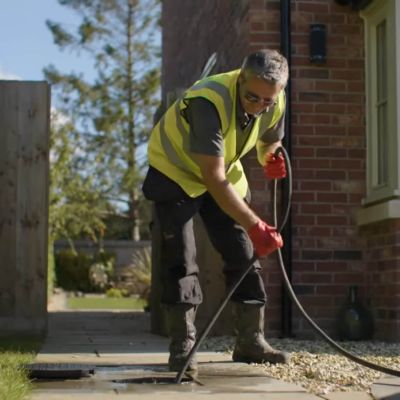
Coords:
pixel 265 238
pixel 275 167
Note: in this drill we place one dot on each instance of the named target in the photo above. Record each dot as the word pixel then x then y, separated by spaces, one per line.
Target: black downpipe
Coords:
pixel 286 305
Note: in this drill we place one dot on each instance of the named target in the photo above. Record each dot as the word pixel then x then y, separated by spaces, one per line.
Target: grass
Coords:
pixel 96 303
pixel 14 354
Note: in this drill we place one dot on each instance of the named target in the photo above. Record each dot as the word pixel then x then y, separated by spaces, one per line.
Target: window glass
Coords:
pixel 381 107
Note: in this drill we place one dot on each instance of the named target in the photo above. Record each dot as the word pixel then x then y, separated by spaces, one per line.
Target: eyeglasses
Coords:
pixel 253 98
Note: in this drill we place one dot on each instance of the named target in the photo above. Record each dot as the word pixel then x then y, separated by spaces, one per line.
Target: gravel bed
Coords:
pixel 318 368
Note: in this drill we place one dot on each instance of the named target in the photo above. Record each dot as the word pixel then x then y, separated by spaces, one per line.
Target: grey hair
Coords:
pixel 267 64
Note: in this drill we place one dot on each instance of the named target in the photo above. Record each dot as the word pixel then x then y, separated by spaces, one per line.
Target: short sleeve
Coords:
pixel 276 133
pixel 205 127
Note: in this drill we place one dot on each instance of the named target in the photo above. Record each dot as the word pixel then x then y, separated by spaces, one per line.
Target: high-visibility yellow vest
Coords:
pixel 169 150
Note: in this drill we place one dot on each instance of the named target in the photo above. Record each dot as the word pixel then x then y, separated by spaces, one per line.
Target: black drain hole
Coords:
pixel 153 380
pixel 58 371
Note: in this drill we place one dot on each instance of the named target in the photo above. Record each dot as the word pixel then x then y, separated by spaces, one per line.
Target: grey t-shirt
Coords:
pixel 206 132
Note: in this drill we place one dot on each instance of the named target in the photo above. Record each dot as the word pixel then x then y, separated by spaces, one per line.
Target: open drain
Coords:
pixel 41 372
pixel 154 380
pixel 59 371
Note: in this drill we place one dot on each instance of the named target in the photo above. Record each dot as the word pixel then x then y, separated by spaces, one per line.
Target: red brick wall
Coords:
pixel 328 150
pixel 383 278
pixel 329 160
pixel 264 32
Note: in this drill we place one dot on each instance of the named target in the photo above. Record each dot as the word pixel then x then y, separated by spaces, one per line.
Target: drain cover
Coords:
pixel 59 371
pixel 158 380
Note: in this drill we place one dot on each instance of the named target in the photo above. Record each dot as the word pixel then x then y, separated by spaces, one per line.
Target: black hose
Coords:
pixel 288 286
pixel 211 322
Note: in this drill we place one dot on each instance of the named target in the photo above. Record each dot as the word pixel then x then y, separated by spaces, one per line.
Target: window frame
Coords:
pixel 382 202
pixel 374 15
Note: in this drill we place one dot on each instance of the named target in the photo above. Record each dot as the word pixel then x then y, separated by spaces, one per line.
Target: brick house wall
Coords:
pixel 329 251
pixel 328 150
pixel 382 263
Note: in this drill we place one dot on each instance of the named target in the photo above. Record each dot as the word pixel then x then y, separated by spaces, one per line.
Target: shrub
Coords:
pixel 136 277
pixel 115 293
pixel 98 277
pixel 73 270
pixel 50 269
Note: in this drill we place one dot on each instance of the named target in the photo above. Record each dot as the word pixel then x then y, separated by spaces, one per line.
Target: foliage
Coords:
pixel 116 293
pixel 118 227
pixel 98 277
pixel 75 208
pixel 108 118
pixel 141 261
pixel 136 278
pixel 50 269
pixel 81 303
pixel 73 270
pixel 15 352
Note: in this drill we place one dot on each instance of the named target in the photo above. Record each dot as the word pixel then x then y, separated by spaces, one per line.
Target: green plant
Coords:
pixel 15 352
pixel 141 260
pixel 107 260
pixel 103 303
pixel 102 271
pixel 50 268
pixel 114 293
pixel 73 270
pixel 109 117
pixel 141 272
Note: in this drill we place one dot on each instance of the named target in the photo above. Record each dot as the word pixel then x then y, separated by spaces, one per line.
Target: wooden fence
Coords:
pixel 24 181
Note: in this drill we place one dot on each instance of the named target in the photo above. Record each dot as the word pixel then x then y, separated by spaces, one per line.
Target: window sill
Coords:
pixel 389 209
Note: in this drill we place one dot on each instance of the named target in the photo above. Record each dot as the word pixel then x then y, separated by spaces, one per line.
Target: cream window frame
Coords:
pixel 382 197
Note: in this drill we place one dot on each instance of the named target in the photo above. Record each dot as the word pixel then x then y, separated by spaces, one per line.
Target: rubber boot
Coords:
pixel 182 333
pixel 251 346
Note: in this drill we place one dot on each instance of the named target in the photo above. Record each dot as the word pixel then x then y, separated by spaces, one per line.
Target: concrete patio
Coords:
pixel 119 347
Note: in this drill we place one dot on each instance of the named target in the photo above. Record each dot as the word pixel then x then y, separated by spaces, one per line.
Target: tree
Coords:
pixel 74 205
pixel 111 116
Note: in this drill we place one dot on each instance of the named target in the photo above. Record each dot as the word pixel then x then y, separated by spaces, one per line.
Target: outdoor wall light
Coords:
pixel 318 43
pixel 355 4
pixel 343 2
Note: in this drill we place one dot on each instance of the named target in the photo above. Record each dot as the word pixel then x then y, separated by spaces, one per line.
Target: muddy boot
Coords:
pixel 251 346
pixel 182 333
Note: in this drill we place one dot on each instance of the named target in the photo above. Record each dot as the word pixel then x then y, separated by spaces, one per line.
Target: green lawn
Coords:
pixel 14 353
pixel 75 303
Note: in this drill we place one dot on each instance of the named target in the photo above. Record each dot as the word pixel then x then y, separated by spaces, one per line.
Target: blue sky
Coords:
pixel 26 44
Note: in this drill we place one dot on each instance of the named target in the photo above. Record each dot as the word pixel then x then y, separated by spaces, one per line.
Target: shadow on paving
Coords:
pixel 101 331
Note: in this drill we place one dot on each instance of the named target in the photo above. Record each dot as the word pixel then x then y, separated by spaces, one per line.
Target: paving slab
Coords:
pixel 220 380
pixel 123 358
pixel 348 396
pixel 123 352
pixel 174 396
pixel 387 388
